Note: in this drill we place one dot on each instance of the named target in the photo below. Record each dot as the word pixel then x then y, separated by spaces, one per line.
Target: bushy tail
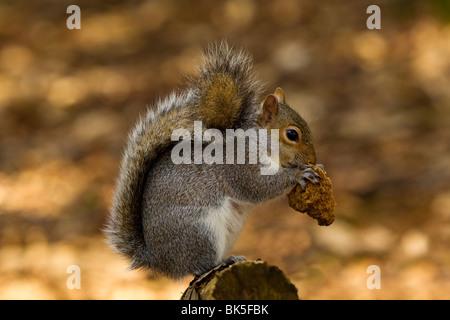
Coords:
pixel 223 95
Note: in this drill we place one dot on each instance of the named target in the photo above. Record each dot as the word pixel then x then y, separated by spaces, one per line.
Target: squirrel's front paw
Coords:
pixel 308 174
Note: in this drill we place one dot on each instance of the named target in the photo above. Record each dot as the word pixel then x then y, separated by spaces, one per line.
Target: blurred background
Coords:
pixel 378 103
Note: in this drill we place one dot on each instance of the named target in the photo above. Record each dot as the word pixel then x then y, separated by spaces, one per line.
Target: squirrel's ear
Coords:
pixel 279 93
pixel 270 108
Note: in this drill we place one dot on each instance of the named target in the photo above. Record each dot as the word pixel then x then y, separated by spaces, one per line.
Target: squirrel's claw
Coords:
pixel 308 174
pixel 302 184
pixel 320 166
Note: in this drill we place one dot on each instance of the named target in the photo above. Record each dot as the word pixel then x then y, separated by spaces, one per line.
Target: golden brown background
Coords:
pixel 378 102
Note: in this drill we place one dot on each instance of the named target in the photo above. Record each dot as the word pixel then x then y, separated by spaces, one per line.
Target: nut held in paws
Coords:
pixel 316 200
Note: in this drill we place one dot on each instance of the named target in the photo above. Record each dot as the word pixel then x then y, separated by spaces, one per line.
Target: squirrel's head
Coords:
pixel 296 145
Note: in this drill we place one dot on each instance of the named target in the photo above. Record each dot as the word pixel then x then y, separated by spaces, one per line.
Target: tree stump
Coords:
pixel 244 280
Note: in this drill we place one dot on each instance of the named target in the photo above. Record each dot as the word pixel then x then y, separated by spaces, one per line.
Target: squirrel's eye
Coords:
pixel 292 135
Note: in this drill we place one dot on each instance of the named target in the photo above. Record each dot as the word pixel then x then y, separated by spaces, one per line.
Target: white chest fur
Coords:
pixel 226 223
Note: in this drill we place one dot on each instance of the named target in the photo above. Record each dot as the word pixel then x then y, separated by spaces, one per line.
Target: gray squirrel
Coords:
pixel 182 219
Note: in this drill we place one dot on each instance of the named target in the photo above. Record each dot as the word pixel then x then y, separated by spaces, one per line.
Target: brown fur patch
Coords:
pixel 221 103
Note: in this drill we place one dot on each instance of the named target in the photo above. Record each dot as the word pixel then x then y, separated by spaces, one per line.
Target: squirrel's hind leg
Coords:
pixel 233 259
